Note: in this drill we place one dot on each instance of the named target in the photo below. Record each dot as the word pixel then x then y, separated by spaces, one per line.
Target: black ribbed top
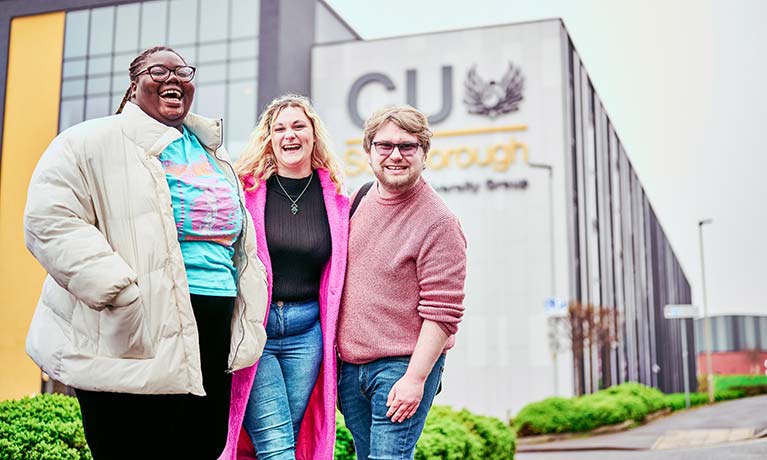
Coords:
pixel 299 245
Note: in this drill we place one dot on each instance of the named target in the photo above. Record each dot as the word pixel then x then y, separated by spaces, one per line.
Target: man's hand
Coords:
pixel 404 398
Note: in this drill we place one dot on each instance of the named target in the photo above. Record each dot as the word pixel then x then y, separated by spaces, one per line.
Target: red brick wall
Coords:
pixel 734 362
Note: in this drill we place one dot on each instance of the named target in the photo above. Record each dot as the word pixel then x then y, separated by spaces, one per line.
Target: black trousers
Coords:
pixel 133 426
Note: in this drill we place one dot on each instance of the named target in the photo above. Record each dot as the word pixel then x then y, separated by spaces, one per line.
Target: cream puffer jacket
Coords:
pixel 115 313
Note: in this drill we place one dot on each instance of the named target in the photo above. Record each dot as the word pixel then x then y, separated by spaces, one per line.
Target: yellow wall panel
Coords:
pixel 30 123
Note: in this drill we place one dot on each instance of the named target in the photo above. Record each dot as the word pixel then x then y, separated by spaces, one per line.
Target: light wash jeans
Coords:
pixel 286 374
pixel 362 392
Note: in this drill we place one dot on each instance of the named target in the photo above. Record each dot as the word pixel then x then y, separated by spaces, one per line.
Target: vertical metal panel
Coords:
pixel 629 268
pixel 618 269
pixel 592 222
pixel 582 377
pixel 572 180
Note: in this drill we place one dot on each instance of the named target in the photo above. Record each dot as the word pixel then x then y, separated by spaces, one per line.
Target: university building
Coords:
pixel 556 219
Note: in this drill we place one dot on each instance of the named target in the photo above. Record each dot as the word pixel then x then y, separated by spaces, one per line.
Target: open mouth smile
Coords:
pixel 291 147
pixel 173 96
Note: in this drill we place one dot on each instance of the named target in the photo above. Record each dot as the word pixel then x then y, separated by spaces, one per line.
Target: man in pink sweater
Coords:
pixel 403 295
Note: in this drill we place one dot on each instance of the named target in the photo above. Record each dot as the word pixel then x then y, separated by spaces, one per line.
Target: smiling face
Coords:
pixel 292 142
pixel 167 102
pixel 395 173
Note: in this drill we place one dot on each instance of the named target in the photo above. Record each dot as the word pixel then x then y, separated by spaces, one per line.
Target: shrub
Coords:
pixel 344 449
pixel 676 401
pixel 724 395
pixel 44 427
pixel 452 434
pixel 727 382
pixel 552 415
pixel 628 401
pixel 652 398
pixel 449 435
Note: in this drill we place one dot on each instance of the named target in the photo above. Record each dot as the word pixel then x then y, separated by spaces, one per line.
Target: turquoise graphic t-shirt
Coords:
pixel 208 216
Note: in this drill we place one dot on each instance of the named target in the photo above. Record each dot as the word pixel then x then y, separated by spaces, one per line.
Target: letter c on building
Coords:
pixel 354 92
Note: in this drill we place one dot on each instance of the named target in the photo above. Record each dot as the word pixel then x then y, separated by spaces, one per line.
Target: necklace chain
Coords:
pixel 294 203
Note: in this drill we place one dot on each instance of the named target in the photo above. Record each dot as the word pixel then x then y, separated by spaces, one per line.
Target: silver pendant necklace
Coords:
pixel 294 203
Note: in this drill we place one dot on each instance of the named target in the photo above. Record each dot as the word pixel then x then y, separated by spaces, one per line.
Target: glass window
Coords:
pixel 214 20
pixel 243 49
pixel 182 22
pixel 102 26
pixel 126 28
pixel 71 113
pixel 244 18
pixel 99 66
pixel 243 69
pixel 240 117
pixel 74 87
pixel 121 62
pixel 76 34
pixel 212 53
pixel 210 73
pixel 120 83
pixel 97 106
pixel 210 100
pixel 98 85
pixel 219 37
pixel 74 68
pixel 117 99
pixel 153 30
pixel 189 53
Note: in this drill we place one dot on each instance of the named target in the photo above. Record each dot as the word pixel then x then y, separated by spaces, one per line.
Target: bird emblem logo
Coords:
pixel 493 98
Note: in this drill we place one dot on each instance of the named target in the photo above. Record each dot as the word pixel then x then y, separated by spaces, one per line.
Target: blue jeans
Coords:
pixel 362 393
pixel 286 374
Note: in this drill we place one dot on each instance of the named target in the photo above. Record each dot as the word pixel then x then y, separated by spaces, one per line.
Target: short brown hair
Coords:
pixel 406 117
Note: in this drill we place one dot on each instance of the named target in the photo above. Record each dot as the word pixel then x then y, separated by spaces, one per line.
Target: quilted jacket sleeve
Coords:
pixel 60 231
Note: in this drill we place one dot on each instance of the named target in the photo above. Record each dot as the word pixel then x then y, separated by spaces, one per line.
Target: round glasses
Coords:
pixel 160 73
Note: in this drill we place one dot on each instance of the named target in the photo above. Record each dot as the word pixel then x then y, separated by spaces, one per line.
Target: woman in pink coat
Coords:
pixel 285 403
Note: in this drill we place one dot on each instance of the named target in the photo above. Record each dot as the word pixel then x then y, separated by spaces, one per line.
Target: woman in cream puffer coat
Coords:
pixel 115 320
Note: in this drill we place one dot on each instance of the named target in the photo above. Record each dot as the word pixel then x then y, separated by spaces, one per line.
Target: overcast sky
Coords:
pixel 684 84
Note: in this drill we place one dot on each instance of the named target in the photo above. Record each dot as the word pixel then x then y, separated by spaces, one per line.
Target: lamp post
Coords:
pixel 552 272
pixel 706 319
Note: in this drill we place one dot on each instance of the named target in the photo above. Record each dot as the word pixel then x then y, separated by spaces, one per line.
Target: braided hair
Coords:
pixel 138 63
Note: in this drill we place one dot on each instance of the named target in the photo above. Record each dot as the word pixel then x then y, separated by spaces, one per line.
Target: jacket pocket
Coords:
pixel 124 332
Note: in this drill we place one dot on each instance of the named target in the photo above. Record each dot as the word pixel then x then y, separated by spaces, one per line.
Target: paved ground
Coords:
pixel 720 428
pixel 749 450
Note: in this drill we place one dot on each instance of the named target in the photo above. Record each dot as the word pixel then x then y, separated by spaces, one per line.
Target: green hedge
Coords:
pixel 729 382
pixel 629 401
pixel 45 427
pixel 449 435
pixel 48 427
pixel 344 445
pixel 676 401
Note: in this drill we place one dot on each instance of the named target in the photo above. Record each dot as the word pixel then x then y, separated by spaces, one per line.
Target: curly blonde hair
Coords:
pixel 258 160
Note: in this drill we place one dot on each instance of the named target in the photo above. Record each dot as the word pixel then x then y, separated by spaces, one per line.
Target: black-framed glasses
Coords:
pixel 160 73
pixel 406 149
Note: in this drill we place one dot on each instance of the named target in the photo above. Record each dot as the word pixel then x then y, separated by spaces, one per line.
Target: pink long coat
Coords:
pixel 316 436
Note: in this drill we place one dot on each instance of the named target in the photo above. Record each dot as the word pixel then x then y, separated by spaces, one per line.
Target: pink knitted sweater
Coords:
pixel 407 263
